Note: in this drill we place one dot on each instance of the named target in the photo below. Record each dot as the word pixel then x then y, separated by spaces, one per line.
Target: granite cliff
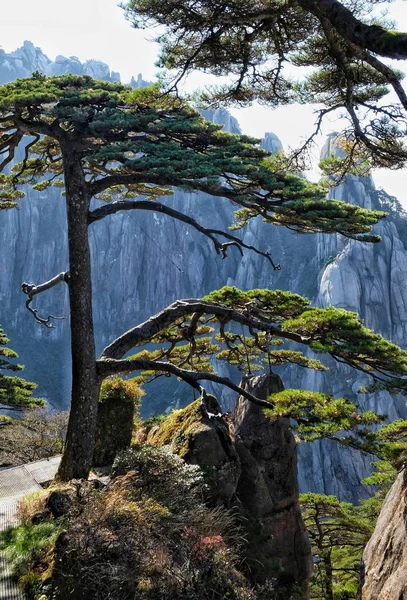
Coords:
pixel 128 248
pixel 384 562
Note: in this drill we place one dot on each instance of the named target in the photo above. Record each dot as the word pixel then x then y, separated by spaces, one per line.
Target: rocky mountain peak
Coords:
pixel 272 143
pixel 29 58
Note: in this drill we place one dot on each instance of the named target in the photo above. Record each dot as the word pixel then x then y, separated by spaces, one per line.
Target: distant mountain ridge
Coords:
pixel 25 60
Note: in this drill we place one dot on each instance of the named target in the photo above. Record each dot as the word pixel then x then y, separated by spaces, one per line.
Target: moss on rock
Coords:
pixel 178 429
pixel 118 405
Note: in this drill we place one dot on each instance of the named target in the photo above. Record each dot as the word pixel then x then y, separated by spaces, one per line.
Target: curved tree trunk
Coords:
pixel 77 457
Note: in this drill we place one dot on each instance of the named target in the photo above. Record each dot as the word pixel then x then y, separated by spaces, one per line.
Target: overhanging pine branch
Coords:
pixel 142 333
pixel 221 248
pixel 109 366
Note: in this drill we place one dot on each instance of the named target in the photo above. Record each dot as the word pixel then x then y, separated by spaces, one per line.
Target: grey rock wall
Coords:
pixel 369 279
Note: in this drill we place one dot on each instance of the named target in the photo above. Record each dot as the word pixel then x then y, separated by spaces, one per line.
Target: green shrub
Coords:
pixel 163 475
pixel 29 552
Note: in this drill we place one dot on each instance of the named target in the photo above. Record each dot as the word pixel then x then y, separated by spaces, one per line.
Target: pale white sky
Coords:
pixel 96 29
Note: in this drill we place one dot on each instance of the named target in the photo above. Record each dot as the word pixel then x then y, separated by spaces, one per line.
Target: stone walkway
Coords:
pixel 15 483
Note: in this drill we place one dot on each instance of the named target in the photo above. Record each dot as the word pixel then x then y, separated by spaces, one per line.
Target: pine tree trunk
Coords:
pixel 77 458
pixel 326 558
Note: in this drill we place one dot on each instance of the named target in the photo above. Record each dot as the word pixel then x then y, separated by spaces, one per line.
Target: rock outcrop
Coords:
pixel 384 563
pixel 206 442
pixel 268 485
pixel 249 462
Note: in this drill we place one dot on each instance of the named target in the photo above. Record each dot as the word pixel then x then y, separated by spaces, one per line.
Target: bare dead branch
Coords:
pixel 32 290
pixel 221 248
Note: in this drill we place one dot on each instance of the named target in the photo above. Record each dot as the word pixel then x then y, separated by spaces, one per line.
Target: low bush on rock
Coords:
pixel 147 534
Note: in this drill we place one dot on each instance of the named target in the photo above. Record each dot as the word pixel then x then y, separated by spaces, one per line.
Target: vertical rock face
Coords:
pixel 268 486
pixel 368 279
pixel 384 563
pixel 251 463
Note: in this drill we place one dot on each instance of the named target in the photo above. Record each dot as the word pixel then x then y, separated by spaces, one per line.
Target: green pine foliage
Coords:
pixel 338 533
pixel 340 333
pixel 14 390
pixel 141 142
pixel 392 440
pixel 333 50
pixel 382 479
pixel 319 416
pixel 255 329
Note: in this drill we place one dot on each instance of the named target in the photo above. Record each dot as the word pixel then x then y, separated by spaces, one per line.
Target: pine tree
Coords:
pixel 107 142
pixel 338 532
pixel 15 392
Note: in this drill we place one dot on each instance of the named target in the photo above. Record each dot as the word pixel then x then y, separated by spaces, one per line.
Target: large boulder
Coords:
pixel 384 563
pixel 250 462
pixel 205 441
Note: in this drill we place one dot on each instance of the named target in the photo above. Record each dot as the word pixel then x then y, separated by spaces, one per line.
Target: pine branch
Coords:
pixel 220 248
pixel 378 40
pixel 110 366
pixel 142 333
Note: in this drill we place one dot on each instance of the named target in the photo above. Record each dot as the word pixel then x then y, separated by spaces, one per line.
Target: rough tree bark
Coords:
pixel 77 457
pixel 378 40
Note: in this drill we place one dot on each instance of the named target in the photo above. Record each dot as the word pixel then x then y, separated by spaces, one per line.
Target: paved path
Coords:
pixel 15 483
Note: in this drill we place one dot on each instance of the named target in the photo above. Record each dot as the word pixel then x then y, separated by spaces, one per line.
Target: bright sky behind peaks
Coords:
pixel 97 29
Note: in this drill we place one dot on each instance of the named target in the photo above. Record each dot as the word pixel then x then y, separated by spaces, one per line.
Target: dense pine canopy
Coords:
pixel 339 45
pixel 140 142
